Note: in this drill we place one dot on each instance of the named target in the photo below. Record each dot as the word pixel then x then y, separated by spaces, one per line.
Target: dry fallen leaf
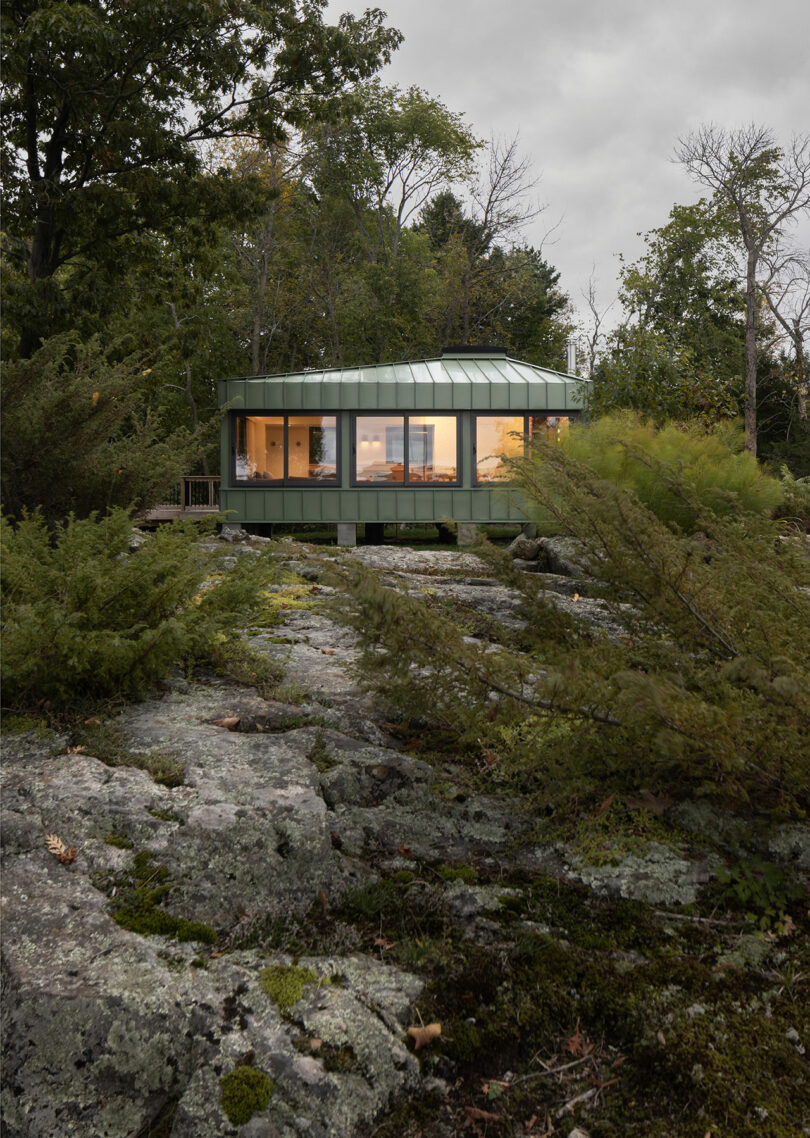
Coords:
pixel 93 720
pixel 328 651
pixel 475 1114
pixel 605 806
pixel 381 942
pixel 76 750
pixel 231 722
pixel 424 1036
pixel 579 1044
pixel 60 851
pixel 404 851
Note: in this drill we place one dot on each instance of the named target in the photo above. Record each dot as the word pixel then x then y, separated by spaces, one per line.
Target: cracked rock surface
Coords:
pixel 106 1030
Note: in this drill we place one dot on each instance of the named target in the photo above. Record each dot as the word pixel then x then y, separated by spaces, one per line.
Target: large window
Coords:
pixel 286 448
pixel 406 448
pixel 501 437
pixel 497 437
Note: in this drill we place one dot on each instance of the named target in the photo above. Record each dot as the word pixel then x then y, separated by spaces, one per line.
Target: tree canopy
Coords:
pixel 107 101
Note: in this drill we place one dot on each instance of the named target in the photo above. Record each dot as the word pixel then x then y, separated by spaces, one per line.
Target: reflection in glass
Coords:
pixel 432 448
pixel 379 443
pixel 548 428
pixel 312 447
pixel 259 447
pixel 496 437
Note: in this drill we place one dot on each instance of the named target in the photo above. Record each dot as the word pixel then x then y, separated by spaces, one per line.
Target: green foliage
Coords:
pixel 95 152
pixel 137 897
pixel 245 1091
pixel 465 873
pixel 119 841
pixel 78 436
pixel 319 753
pixel 284 983
pixel 103 741
pixel 647 371
pixel 86 619
pixel 702 689
pixel 719 475
pixel 795 505
pixel 373 900
pixel 680 353
pixel 760 888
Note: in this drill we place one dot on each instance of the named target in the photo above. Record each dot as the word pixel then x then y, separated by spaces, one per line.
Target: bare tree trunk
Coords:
pixel 801 377
pixel 751 353
pixel 189 393
pixel 258 315
pixel 766 188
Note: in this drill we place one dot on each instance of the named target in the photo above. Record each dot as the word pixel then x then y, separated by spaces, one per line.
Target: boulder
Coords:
pixel 525 548
pixel 564 555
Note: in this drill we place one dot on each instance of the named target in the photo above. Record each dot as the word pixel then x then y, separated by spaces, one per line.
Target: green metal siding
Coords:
pixel 291 504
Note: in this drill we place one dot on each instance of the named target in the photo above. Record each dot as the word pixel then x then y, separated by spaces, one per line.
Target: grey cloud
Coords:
pixel 600 93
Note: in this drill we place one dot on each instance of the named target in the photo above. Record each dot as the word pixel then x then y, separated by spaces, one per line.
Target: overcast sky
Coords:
pixel 600 91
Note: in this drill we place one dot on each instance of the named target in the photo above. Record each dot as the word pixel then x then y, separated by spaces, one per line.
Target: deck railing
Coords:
pixel 194 494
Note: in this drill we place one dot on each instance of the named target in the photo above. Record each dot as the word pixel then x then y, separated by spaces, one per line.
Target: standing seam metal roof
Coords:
pixel 443 369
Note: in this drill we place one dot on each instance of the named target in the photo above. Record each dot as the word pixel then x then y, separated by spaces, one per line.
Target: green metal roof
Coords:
pixel 453 381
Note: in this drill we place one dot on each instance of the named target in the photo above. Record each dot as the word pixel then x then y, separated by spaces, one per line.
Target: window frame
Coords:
pixel 395 413
pixel 277 483
pixel 509 414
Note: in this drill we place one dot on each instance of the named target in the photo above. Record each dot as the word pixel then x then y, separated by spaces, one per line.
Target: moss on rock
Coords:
pixel 245 1091
pixel 138 896
pixel 284 983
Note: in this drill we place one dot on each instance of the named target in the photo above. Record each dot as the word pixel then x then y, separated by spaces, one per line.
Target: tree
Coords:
pixel 761 188
pixel 495 288
pixel 106 103
pixel 593 334
pixel 680 351
pixel 387 153
pixel 785 287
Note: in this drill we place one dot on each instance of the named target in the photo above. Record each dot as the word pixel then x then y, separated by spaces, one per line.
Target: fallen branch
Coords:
pixel 552 1070
pixel 572 1102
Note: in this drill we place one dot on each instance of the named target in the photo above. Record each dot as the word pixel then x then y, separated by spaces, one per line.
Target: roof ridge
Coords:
pixel 409 363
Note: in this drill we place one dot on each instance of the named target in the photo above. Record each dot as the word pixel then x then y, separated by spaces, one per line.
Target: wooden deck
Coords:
pixel 195 496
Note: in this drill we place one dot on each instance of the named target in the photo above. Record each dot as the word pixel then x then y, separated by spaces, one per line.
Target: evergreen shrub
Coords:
pixel 702 687
pixel 77 434
pixel 85 618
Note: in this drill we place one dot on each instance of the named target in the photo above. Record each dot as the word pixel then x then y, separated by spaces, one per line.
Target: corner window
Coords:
pixel 406 449
pixel 548 428
pixel 500 437
pixel 286 448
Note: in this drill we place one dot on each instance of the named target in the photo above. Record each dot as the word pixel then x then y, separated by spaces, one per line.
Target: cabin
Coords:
pixel 421 441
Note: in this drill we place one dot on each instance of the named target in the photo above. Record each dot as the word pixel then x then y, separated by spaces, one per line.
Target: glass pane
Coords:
pixel 432 448
pixel 312 447
pixel 496 437
pixel 548 428
pixel 259 447
pixel 379 443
